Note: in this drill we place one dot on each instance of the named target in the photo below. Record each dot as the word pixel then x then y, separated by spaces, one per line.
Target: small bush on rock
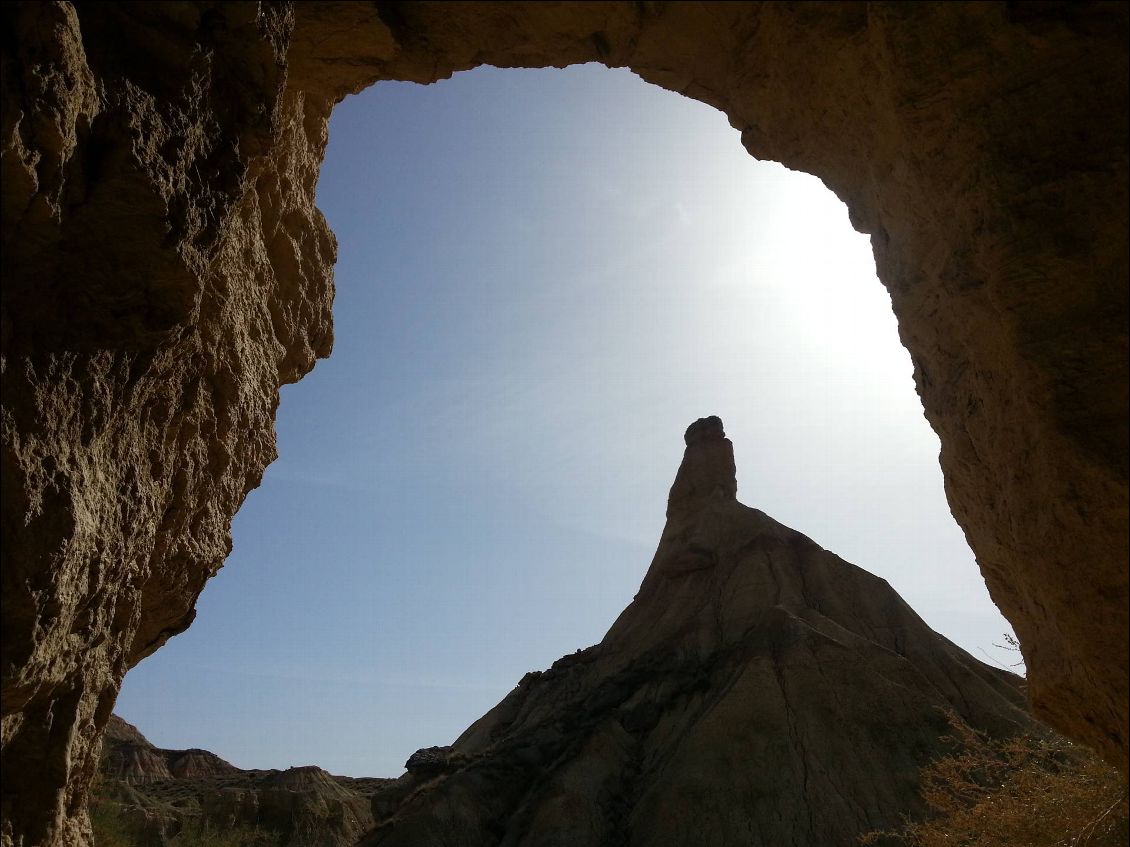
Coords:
pixel 1039 791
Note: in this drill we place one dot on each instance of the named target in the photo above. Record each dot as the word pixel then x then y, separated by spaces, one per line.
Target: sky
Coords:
pixel 543 278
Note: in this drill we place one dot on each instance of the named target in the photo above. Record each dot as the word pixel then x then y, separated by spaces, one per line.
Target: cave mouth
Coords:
pixel 543 276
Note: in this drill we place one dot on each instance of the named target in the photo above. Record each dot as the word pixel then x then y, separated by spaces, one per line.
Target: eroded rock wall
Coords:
pixel 165 271
pixel 163 276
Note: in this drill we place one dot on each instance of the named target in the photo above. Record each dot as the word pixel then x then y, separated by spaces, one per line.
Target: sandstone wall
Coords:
pixel 165 271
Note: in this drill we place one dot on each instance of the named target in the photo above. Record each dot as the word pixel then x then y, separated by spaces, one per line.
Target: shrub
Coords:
pixel 197 833
pixel 112 826
pixel 1033 790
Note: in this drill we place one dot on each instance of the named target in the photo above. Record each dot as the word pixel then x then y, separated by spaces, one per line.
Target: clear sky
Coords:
pixel 543 277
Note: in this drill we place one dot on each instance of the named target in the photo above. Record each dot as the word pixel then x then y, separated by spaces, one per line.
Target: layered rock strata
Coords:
pixel 758 690
pixel 165 270
pixel 154 794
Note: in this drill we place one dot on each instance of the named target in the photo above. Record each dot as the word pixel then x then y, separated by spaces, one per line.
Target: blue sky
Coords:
pixel 543 277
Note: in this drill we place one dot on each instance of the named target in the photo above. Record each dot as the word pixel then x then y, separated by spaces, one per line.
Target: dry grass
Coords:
pixel 1034 791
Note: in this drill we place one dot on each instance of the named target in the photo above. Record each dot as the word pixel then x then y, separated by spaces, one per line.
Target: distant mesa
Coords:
pixel 158 792
pixel 120 732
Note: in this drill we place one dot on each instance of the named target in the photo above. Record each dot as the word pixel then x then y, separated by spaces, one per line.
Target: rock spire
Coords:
pixel 758 690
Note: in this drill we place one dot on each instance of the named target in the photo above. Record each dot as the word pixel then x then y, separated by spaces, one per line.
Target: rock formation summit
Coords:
pixel 758 690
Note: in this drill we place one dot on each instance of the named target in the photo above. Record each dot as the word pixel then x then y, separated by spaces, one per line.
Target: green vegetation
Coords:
pixel 1039 791
pixel 197 833
pixel 114 826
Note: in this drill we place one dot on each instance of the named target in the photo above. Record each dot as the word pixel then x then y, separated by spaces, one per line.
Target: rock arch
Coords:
pixel 166 270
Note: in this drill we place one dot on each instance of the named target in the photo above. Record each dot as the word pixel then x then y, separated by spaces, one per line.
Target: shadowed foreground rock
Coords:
pixel 165 270
pixel 759 690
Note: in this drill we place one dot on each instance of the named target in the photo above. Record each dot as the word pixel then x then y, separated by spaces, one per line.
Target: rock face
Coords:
pixel 128 756
pixel 758 690
pixel 428 761
pixel 165 271
pixel 158 792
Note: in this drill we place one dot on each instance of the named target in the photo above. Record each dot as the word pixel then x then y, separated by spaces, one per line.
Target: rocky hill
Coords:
pixel 153 796
pixel 758 690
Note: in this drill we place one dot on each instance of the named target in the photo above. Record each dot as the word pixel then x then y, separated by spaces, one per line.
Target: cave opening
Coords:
pixel 542 278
